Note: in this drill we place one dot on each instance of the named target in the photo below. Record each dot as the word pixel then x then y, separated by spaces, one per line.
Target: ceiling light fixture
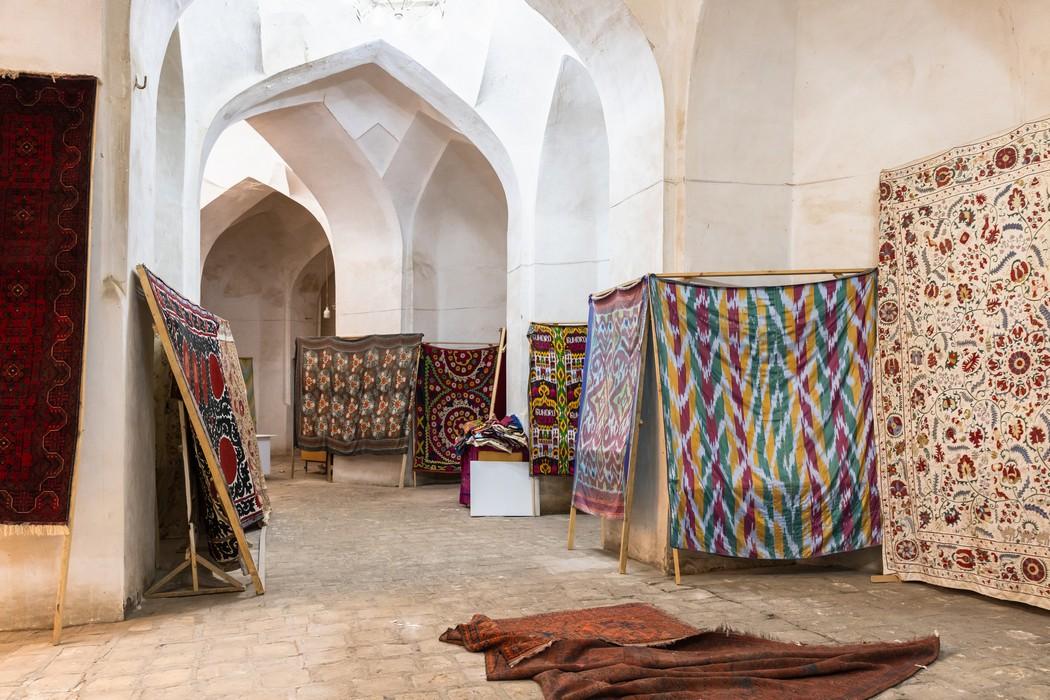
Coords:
pixel 399 10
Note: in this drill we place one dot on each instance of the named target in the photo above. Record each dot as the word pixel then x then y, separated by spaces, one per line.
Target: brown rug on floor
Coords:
pixel 638 651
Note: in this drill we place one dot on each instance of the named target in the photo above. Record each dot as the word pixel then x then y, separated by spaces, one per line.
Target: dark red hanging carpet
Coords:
pixel 637 651
pixel 45 174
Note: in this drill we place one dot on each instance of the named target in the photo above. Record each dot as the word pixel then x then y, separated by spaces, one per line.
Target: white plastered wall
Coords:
pixel 250 278
pixel 101 573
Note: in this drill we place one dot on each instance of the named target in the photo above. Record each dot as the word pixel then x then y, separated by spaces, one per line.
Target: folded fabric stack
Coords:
pixel 503 434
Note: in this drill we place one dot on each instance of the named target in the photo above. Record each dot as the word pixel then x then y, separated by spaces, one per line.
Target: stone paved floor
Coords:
pixel 362 580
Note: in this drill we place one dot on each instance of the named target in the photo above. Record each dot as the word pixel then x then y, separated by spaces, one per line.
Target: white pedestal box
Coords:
pixel 264 453
pixel 500 485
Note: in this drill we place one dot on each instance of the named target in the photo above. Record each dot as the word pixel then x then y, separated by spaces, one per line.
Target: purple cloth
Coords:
pixel 470 453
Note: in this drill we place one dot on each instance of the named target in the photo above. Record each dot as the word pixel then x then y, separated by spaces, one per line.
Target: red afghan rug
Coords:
pixel 640 652
pixel 454 387
pixel 45 177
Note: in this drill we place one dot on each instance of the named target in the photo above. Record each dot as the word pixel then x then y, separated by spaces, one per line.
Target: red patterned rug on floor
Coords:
pixel 638 651
pixel 45 176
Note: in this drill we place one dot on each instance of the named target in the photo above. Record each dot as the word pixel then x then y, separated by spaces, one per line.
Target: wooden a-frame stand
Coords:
pixel 625 528
pixel 834 272
pixel 193 558
pixel 202 435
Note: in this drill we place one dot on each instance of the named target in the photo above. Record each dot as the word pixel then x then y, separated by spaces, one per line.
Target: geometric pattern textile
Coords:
pixel 617 328
pixel 197 338
pixel 455 387
pixel 964 363
pixel 768 419
pixel 556 353
pixel 45 176
pixel 354 396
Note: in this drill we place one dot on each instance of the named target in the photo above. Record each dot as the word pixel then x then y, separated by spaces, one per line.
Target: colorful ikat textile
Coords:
pixel 354 396
pixel 45 179
pixel 964 360
pixel 613 370
pixel 454 387
pixel 768 421
pixel 555 382
pixel 216 393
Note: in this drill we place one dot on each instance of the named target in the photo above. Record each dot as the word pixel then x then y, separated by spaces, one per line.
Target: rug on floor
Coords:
pixel 617 328
pixel 638 651
pixel 354 396
pixel 769 418
pixel 556 353
pixel 964 362
pixel 454 387
pixel 45 179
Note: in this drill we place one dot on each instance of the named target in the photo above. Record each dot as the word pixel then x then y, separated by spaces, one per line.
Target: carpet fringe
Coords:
pixel 16 529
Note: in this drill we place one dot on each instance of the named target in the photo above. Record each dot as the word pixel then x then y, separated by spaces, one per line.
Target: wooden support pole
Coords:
pixel 625 531
pixel 501 348
pixel 63 573
pixel 769 273
pixel 572 527
pixel 192 559
pixel 661 439
pixel 404 465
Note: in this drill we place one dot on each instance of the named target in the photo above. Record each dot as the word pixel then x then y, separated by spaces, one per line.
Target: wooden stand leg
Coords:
pixel 677 568
pixel 624 534
pixel 404 464
pixel 500 348
pixel 63 579
pixel 572 527
pixel 885 578
pixel 192 557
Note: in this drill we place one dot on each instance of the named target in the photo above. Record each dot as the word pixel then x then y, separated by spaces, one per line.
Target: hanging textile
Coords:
pixel 45 178
pixel 354 396
pixel 768 425
pixel 216 392
pixel 555 382
pixel 454 387
pixel 617 326
pixel 240 403
pixel 964 357
pixel 222 540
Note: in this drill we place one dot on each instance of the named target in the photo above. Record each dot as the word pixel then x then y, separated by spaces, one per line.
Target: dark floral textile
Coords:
pixel 964 361
pixel 354 396
pixel 45 179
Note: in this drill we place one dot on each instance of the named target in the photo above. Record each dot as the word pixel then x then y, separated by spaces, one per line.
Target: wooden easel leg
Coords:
pixel 624 534
pixel 572 527
pixel 677 568
pixel 63 579
pixel 885 578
